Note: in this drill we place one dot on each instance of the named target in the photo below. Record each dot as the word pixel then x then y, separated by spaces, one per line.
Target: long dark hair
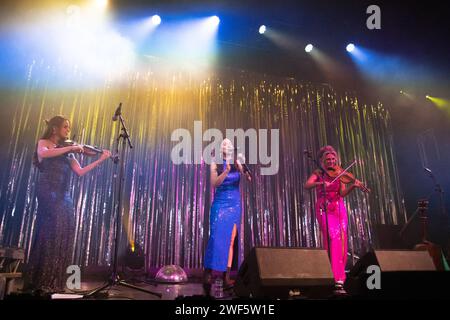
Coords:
pixel 54 123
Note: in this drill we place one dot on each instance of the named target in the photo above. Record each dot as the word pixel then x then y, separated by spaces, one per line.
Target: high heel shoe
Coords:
pixel 339 288
pixel 227 282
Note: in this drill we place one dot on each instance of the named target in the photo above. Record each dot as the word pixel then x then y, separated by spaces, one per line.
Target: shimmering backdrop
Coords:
pixel 166 206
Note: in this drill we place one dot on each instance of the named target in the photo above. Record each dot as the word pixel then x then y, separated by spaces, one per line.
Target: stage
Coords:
pixel 395 286
pixel 299 147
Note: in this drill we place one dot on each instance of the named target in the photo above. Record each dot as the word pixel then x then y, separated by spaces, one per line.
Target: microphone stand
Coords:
pixel 443 211
pixel 325 204
pixel 438 189
pixel 114 279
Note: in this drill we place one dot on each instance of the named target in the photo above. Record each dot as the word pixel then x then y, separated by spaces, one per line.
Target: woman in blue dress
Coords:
pixel 225 216
pixel 51 251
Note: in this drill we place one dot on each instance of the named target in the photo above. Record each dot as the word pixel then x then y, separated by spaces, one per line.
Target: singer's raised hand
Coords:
pixel 228 167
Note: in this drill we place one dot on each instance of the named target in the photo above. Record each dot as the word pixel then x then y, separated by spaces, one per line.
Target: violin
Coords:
pixel 344 176
pixel 337 172
pixel 88 149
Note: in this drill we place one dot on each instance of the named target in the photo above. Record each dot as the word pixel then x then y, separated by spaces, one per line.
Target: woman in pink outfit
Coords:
pixel 333 198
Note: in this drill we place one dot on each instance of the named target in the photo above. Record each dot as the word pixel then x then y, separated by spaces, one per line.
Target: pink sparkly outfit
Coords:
pixel 337 226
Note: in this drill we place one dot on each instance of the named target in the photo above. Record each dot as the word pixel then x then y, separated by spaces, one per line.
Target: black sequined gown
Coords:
pixel 52 248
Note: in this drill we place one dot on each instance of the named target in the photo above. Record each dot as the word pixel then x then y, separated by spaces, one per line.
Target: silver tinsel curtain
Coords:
pixel 166 206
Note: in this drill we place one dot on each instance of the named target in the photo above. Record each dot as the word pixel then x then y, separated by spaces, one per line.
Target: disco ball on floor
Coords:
pixel 171 274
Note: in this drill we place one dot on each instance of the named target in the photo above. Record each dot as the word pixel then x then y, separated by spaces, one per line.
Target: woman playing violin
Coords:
pixel 52 247
pixel 333 198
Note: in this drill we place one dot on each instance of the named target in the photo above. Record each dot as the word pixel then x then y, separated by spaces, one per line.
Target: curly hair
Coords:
pixel 326 150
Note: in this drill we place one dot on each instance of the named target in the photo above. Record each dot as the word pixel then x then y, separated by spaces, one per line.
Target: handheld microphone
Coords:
pixel 118 112
pixel 246 169
pixel 241 159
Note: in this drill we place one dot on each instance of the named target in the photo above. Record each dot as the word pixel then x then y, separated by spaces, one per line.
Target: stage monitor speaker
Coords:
pixel 285 272
pixel 403 274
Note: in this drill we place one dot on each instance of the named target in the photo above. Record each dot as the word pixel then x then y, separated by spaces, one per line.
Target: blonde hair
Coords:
pixel 326 150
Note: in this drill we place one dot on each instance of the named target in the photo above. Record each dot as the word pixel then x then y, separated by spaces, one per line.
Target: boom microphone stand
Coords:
pixel 114 277
pixel 438 189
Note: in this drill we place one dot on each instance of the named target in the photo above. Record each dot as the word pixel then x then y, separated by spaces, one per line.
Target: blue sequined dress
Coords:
pixel 52 247
pixel 225 213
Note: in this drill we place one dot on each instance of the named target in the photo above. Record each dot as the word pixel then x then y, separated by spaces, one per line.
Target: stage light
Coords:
pixel 406 95
pixel 309 48
pixel 101 3
pixel 133 260
pixel 214 21
pixel 350 47
pixel 156 20
pixel 190 43
pixel 262 29
pixel 440 103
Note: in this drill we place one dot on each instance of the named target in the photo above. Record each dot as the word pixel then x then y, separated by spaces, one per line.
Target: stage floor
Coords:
pixel 427 285
pixel 191 290
pixel 168 291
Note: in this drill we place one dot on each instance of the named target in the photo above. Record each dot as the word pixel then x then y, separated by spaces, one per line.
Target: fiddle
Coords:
pixel 88 149
pixel 336 172
pixel 344 176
